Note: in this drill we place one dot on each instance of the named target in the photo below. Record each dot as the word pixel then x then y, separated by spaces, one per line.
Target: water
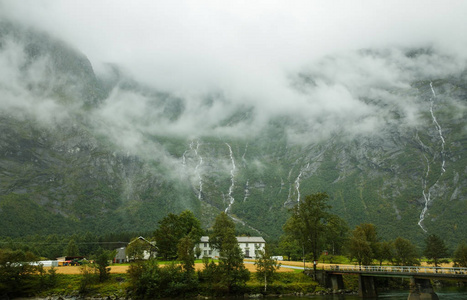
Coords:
pixel 445 293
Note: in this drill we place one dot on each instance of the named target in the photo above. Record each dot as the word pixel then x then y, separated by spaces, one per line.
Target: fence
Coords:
pixel 399 269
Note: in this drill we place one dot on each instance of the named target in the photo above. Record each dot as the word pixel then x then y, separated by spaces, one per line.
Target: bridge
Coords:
pixel 420 278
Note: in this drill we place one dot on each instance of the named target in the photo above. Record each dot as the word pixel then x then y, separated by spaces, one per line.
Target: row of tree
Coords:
pixel 312 229
pixel 78 244
pixel 365 247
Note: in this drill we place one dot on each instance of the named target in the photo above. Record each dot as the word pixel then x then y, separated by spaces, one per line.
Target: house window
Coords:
pixel 205 245
pixel 210 252
pixel 246 244
pixel 205 252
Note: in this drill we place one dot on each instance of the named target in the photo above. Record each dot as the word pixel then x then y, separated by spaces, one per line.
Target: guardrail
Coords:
pixel 399 269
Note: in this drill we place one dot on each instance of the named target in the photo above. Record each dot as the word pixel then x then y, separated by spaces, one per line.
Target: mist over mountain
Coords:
pixel 105 147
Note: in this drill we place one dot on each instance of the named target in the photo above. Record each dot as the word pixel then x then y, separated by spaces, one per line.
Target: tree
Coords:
pixel 230 273
pixel 197 251
pixel 309 223
pixel 191 226
pixel 47 278
pixel 360 249
pixel 209 273
pixel 363 244
pixel 222 229
pixel 149 281
pixel 231 268
pixel 336 235
pixel 405 253
pixel 174 227
pixel 186 255
pixel 386 252
pixel 72 248
pixel 435 250
pixel 167 236
pixel 53 248
pixel 144 279
pixel 266 267
pixel 16 276
pixel 89 245
pixel 460 256
pixel 88 278
pixel 103 257
pixel 289 246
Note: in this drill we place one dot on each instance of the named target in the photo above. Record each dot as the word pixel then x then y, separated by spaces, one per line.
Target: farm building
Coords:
pixel 248 244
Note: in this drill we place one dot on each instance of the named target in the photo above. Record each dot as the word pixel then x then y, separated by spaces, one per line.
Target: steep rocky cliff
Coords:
pixel 80 151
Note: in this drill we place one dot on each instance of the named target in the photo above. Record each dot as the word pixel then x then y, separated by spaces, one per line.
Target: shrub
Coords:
pixel 88 278
pixel 148 281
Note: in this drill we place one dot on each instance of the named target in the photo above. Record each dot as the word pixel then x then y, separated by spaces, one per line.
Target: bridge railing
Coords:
pixel 399 269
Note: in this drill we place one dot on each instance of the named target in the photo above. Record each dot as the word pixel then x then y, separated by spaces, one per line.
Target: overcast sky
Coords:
pixel 252 51
pixel 196 45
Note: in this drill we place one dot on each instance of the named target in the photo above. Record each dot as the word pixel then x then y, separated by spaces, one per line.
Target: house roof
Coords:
pixel 250 239
pixel 240 239
pixel 143 239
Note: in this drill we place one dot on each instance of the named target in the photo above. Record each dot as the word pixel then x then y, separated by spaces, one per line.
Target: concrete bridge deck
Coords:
pixel 420 278
pixel 441 273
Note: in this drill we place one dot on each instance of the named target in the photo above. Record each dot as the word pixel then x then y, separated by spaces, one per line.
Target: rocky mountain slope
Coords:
pixel 83 151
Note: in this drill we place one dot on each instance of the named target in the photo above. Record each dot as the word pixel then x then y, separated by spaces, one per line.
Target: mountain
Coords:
pixel 382 131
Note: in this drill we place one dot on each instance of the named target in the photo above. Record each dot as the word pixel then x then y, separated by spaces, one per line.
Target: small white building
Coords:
pixel 248 244
pixel 120 256
pixel 45 263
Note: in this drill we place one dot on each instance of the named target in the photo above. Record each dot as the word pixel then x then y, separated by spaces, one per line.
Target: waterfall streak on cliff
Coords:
pixel 424 210
pixel 424 185
pixel 427 171
pixel 232 179
pixel 244 153
pixel 438 127
pixel 198 167
pixel 427 197
pixel 297 182
pixel 297 186
pixel 432 90
pixel 290 188
pixel 247 190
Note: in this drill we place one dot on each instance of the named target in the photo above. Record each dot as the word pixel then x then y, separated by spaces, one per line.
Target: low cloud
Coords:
pixel 230 68
pixel 25 86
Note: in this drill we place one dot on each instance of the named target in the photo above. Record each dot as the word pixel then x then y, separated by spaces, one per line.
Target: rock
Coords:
pixel 255 296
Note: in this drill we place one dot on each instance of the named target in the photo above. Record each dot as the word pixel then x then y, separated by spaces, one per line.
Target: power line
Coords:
pixel 80 243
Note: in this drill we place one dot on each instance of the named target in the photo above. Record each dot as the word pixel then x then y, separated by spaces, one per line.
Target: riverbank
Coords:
pixel 71 282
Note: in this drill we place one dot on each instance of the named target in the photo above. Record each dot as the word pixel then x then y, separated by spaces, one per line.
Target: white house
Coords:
pixel 121 256
pixel 248 244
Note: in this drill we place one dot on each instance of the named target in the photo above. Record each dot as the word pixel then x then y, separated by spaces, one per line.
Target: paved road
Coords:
pixel 282 265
